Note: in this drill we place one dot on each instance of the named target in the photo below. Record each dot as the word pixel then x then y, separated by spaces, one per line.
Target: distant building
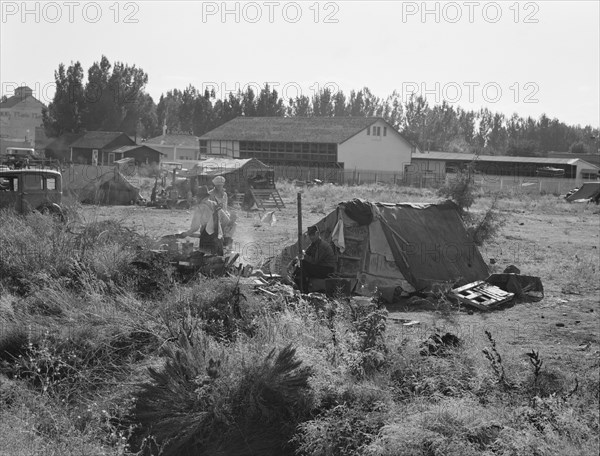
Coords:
pixel 368 143
pixel 89 148
pixel 21 120
pixel 437 164
pixel 175 146
pixel 142 154
pixel 594 159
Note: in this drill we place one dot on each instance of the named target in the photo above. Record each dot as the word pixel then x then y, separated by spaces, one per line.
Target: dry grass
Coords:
pixel 370 391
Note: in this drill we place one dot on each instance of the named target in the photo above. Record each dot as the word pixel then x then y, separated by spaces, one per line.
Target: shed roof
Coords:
pixel 98 139
pixel 221 166
pixel 123 149
pixel 449 156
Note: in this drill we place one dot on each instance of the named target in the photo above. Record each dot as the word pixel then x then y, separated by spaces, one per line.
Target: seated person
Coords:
pixel 206 220
pixel 317 262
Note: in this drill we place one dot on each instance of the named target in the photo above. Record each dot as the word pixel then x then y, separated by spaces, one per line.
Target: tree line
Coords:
pixel 113 98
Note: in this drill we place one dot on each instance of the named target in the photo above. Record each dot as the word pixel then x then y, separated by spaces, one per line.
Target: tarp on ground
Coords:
pixel 98 185
pixel 413 246
pixel 589 190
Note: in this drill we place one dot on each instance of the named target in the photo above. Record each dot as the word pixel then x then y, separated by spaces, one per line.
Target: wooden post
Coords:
pixel 300 238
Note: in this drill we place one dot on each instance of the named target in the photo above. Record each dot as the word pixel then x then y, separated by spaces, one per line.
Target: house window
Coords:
pixel 368 131
pixel 384 131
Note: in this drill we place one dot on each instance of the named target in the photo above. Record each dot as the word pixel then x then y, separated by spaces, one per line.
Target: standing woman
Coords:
pixel 226 217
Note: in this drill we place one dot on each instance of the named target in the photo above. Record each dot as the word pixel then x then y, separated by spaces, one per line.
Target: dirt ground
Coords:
pixel 552 240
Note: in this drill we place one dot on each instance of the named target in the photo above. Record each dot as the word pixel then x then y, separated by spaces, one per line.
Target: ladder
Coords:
pixel 267 198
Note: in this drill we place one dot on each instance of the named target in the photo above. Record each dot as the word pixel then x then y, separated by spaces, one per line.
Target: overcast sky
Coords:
pixel 524 57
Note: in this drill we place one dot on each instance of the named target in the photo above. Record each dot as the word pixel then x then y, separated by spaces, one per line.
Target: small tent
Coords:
pixel 589 191
pixel 411 246
pixel 99 185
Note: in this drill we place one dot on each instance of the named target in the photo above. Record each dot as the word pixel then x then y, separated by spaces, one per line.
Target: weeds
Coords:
pixel 495 360
pixel 235 374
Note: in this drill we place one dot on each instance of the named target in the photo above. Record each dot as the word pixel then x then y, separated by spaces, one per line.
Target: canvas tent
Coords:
pixel 588 191
pixel 412 246
pixel 98 185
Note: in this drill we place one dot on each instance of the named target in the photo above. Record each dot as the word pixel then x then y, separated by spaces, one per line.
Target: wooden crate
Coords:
pixel 481 295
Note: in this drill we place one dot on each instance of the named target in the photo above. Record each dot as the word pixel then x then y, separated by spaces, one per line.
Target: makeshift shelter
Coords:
pixel 239 173
pixel 248 181
pixel 589 191
pixel 99 185
pixel 414 247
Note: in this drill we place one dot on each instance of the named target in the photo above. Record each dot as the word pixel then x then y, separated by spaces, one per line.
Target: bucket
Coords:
pixel 173 246
pixel 338 286
pixel 187 248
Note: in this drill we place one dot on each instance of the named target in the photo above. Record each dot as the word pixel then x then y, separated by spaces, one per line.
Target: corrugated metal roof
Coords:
pixel 137 146
pixel 333 130
pixel 218 166
pixel 497 158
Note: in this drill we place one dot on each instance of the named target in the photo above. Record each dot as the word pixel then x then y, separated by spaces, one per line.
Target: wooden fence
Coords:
pixel 513 184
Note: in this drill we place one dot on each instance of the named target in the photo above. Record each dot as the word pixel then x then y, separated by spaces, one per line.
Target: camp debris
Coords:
pixel 588 192
pixel 398 248
pixel 438 345
pixel 525 288
pixel 481 295
pixel 500 289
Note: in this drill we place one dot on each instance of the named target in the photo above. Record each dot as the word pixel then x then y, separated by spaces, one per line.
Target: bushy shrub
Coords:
pixel 348 420
pixel 487 226
pixel 217 307
pixel 198 404
pixel 460 188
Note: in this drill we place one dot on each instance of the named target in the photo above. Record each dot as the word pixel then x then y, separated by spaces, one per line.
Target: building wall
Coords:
pixel 143 156
pixel 420 166
pixel 15 121
pixel 584 166
pixel 175 153
pixel 223 148
pixel 376 151
pixel 290 153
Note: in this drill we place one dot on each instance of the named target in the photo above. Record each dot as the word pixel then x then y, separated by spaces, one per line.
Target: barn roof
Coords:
pixel 334 130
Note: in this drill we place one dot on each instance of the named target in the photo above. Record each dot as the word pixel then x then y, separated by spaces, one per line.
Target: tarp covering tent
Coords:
pixel 588 191
pixel 98 185
pixel 412 246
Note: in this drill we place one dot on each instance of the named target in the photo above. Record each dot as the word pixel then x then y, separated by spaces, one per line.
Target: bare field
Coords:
pixel 543 236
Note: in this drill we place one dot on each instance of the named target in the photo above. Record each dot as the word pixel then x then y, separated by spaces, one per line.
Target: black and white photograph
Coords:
pixel 300 228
